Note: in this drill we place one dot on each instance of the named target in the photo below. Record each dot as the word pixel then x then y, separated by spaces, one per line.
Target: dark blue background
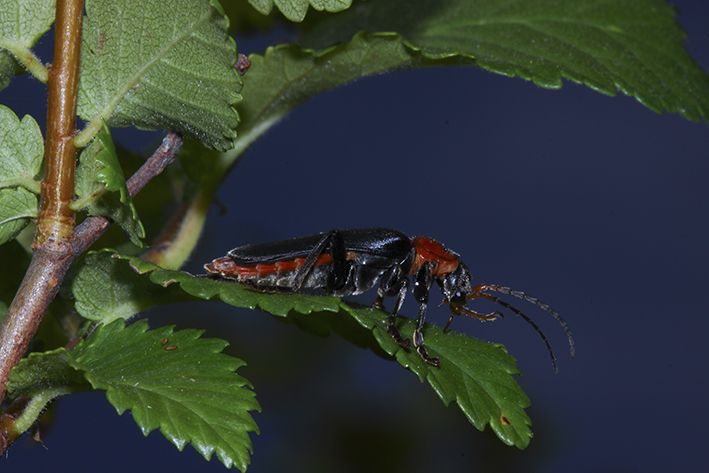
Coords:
pixel 594 204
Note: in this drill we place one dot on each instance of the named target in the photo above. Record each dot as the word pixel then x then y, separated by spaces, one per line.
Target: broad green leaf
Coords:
pixel 634 46
pixel 22 23
pixel 177 74
pixel 21 151
pixel 475 374
pixel 295 10
pixel 99 175
pixel 174 381
pixel 17 208
pixel 106 289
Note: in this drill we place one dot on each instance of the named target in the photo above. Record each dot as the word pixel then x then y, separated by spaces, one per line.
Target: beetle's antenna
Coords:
pixel 538 303
pixel 497 300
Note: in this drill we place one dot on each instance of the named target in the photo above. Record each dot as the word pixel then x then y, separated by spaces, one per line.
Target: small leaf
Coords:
pixel 295 10
pixel 21 151
pixel 42 377
pixel 106 289
pixel 22 23
pixel 99 169
pixel 175 75
pixel 475 374
pixel 174 381
pixel 634 46
pixel 17 208
pixel 46 373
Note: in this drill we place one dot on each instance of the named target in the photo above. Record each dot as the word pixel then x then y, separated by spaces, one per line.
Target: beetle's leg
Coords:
pixel 339 269
pixel 422 285
pixel 338 275
pixel 403 284
pixel 393 282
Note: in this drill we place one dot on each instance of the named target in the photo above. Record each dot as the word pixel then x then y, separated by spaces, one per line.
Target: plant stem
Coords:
pixel 55 228
pixel 56 219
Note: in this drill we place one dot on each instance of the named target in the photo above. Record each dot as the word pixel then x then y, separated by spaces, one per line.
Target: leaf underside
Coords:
pixel 21 155
pixel 295 10
pixel 634 46
pixel 22 23
pixel 175 75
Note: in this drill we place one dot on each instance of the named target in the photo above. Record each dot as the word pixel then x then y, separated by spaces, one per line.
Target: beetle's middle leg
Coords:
pixel 393 283
pixel 422 286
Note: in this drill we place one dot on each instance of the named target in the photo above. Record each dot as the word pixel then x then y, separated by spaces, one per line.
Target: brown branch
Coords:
pixel 55 228
pixel 56 219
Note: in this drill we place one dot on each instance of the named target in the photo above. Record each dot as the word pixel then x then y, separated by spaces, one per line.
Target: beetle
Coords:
pixel 350 262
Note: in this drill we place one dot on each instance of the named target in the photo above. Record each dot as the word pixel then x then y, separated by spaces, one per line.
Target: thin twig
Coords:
pixel 93 227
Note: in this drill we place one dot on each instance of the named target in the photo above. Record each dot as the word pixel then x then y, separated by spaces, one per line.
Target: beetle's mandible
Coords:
pixel 350 262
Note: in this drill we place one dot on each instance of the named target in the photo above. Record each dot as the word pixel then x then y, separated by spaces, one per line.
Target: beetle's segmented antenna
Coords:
pixel 541 305
pixel 497 300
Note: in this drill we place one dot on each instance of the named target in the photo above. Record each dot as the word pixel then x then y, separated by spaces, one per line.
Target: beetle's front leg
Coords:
pixel 422 286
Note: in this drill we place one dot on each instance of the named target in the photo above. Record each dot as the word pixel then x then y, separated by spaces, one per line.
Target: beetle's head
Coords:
pixel 456 285
pixel 458 290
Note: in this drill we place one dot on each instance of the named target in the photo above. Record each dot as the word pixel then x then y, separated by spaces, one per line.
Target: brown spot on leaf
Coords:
pixel 242 64
pixel 505 420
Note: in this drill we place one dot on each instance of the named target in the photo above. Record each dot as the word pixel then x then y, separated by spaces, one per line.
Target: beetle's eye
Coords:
pixel 458 298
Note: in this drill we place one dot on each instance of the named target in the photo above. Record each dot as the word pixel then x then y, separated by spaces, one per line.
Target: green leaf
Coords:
pixel 42 377
pixel 99 175
pixel 21 151
pixel 174 381
pixel 106 289
pixel 295 10
pixel 634 46
pixel 475 374
pixel 17 208
pixel 47 374
pixel 177 74
pixel 22 23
